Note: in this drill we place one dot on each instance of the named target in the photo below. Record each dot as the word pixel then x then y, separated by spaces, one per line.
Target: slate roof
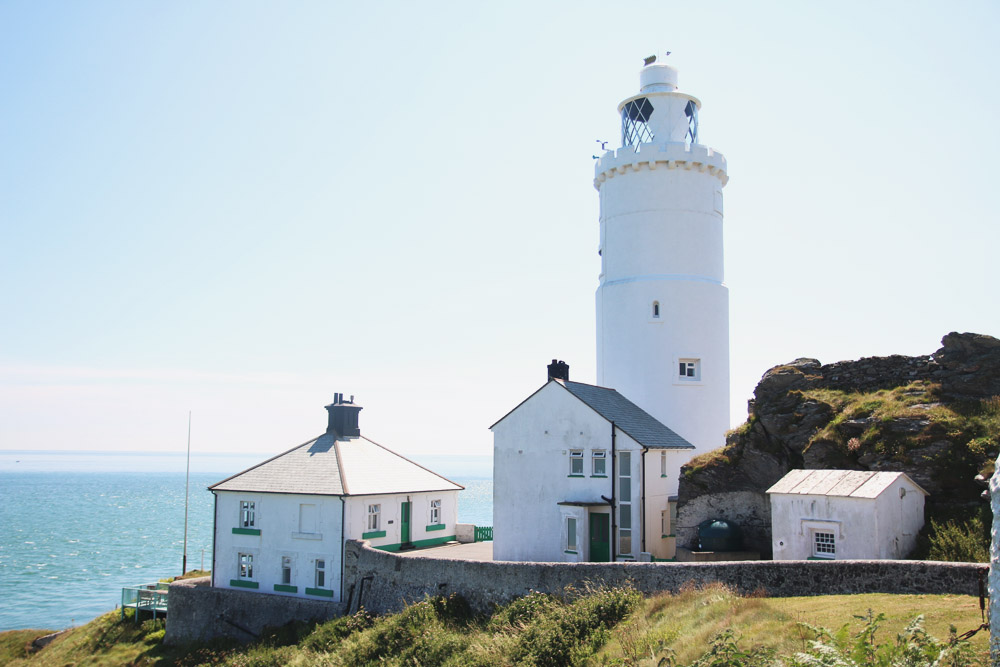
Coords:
pixel 629 417
pixel 329 467
pixel 841 483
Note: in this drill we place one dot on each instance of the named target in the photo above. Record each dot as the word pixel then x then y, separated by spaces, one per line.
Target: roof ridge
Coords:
pixel 276 456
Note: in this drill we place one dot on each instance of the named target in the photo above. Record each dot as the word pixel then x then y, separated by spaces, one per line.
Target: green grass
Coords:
pixel 587 627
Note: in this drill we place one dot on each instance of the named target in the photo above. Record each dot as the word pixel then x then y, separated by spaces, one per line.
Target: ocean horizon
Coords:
pixel 77 527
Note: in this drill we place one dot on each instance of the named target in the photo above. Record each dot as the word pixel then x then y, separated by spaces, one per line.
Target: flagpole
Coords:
pixel 187 480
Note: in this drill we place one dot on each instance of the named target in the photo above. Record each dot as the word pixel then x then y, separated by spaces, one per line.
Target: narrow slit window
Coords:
pixel 656 310
pixel 571 533
pixel 320 573
pixel 286 570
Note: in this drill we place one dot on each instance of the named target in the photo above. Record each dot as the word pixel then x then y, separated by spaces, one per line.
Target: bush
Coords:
pixel 964 542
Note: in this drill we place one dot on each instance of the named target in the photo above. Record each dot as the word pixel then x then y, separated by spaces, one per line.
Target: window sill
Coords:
pixel 320 592
pixel 662 475
pixel 285 588
pixel 307 536
pixel 246 531
pixel 599 476
pixel 575 553
pixel 243 583
pixel 666 536
pixel 373 534
pixel 574 476
pixel 821 558
pixel 435 526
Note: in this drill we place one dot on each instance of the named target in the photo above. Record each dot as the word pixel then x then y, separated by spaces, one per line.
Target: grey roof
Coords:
pixel 629 417
pixel 842 483
pixel 330 467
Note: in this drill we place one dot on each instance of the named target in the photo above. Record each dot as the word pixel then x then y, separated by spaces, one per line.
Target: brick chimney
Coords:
pixel 343 422
pixel 558 370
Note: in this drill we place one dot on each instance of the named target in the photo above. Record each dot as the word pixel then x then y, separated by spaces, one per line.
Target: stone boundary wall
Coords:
pixel 383 582
pixel 198 612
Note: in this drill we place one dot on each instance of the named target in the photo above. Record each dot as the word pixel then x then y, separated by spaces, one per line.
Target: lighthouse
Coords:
pixel 662 302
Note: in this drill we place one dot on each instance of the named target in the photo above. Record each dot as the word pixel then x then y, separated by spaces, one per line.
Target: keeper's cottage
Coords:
pixel 281 525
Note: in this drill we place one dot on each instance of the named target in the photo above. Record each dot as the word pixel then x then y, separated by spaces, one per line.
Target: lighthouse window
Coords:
pixel 656 309
pixel 689 369
pixel 635 119
pixel 691 111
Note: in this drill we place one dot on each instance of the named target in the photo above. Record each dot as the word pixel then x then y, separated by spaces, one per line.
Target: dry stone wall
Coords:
pixel 199 612
pixel 383 582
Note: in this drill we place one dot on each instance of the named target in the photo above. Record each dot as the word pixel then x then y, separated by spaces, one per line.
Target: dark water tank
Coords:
pixel 719 535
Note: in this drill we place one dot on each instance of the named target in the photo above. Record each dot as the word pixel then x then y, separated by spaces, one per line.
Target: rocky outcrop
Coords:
pixel 933 417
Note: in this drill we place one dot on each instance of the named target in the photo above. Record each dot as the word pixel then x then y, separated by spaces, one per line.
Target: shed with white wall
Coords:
pixel 845 514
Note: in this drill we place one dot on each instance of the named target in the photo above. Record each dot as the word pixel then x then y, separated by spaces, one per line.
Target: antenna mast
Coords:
pixel 187 480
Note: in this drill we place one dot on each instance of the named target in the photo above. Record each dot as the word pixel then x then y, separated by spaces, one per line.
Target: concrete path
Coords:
pixel 456 551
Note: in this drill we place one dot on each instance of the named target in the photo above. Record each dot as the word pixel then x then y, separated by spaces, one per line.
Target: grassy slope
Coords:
pixel 611 627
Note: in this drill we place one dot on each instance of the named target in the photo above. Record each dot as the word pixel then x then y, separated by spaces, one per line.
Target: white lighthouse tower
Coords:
pixel 662 305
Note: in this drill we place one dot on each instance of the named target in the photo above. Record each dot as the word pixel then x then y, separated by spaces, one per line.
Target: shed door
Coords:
pixel 600 545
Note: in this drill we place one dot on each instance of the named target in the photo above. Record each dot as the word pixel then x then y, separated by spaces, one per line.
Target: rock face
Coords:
pixel 936 418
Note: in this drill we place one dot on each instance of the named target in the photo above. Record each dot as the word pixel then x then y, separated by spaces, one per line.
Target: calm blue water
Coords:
pixel 77 527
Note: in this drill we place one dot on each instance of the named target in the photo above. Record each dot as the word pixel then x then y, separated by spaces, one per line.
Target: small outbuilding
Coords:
pixel 845 514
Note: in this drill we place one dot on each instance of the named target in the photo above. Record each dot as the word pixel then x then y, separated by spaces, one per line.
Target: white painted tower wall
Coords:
pixel 661 243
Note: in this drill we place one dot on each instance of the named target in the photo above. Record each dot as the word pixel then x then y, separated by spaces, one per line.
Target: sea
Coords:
pixel 77 527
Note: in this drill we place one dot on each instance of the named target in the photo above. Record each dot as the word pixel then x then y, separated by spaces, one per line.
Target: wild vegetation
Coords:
pixel 704 627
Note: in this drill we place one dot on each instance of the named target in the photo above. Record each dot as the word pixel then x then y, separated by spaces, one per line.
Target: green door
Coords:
pixel 600 547
pixel 404 523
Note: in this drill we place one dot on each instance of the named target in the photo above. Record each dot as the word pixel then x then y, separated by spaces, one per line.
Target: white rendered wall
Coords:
pixel 880 528
pixel 277 518
pixel 421 533
pixel 661 241
pixel 531 467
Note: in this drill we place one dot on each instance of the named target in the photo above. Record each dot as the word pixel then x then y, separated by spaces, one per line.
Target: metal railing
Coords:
pixel 148 597
pixel 484 533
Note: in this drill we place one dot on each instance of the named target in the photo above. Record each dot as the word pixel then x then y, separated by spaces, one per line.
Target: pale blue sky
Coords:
pixel 240 208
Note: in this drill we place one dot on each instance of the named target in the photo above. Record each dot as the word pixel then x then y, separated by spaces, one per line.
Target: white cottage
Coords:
pixel 281 525
pixel 580 473
pixel 845 514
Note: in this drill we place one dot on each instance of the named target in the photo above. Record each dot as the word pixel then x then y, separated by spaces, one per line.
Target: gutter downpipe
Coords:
pixel 614 467
pixel 215 515
pixel 642 510
pixel 343 547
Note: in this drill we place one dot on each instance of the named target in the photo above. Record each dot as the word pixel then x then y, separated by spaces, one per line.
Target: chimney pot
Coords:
pixel 558 370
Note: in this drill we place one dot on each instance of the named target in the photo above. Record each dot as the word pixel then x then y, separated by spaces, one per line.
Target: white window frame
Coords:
pixel 435 512
pixel 248 513
pixel 575 460
pixel 319 578
pixel 244 566
pixel 818 549
pixel 286 570
pixel 689 370
pixel 374 517
pixel 572 535
pixel 625 505
pixel 602 456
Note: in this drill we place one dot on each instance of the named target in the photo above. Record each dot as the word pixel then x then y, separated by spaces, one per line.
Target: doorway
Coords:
pixel 600 539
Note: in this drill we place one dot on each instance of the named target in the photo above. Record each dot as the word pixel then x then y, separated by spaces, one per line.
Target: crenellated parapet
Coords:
pixel 660 156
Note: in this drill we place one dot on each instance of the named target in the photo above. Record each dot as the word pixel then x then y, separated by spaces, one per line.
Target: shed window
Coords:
pixel 824 544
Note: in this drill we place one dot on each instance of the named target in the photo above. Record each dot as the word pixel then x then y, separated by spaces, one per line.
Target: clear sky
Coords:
pixel 240 208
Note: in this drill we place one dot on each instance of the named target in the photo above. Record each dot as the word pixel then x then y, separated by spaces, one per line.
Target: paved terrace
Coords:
pixel 454 551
